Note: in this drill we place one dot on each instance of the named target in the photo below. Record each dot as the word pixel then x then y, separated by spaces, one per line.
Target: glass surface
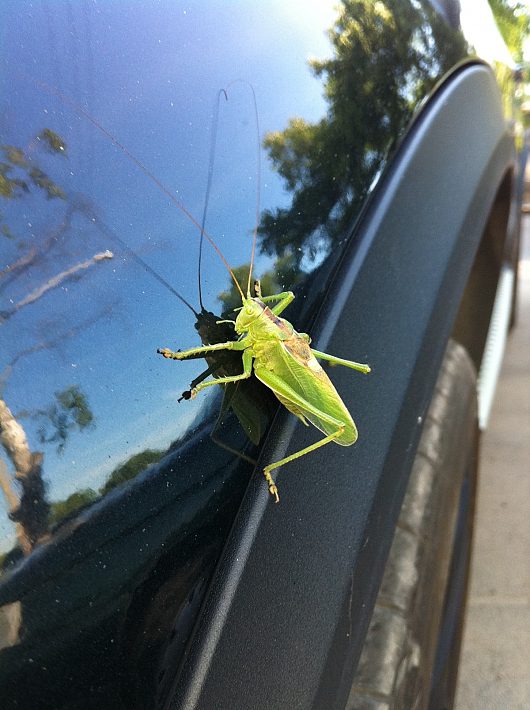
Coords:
pixel 116 498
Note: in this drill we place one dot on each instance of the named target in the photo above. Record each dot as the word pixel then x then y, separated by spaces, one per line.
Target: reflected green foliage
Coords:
pixel 69 411
pixel 131 468
pixel 44 183
pixel 18 171
pixel 10 185
pixel 282 277
pixel 73 504
pixel 386 56
pixel 58 511
pixel 513 21
pixel 52 141
pixel 15 156
pixel 77 501
pixel 5 231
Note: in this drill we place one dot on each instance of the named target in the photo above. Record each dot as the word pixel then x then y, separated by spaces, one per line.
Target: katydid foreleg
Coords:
pixel 247 371
pixel 202 349
pixel 230 345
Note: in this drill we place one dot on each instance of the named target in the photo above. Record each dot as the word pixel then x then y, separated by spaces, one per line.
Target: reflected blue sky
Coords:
pixel 150 74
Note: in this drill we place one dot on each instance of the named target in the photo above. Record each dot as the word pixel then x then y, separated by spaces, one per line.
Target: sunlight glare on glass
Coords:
pixel 480 29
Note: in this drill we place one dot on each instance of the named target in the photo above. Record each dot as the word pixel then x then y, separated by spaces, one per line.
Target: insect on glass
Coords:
pixel 284 361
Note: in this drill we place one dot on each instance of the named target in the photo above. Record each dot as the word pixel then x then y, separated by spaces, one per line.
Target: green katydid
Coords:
pixel 283 360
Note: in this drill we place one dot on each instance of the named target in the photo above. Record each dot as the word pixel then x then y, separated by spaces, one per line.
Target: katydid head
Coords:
pixel 252 309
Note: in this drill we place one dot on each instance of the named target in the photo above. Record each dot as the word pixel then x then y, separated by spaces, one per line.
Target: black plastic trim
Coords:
pixel 284 621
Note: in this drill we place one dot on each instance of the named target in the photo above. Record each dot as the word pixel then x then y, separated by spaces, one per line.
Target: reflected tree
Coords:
pixel 284 275
pixel 62 509
pixel 20 174
pixel 28 506
pixel 69 411
pixel 131 468
pixel 513 20
pixel 386 55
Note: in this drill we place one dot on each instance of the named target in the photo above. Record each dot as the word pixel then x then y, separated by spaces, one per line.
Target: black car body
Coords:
pixel 144 563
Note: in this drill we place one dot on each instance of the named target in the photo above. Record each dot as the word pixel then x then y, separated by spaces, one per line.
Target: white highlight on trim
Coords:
pixel 495 344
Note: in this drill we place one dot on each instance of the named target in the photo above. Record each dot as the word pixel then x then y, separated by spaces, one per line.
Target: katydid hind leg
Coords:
pixel 273 488
pixel 334 360
pixel 279 386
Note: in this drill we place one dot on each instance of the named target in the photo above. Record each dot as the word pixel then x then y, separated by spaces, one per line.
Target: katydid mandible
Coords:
pixel 284 361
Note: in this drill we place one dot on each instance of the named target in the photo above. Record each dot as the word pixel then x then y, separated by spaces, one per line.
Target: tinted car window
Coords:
pixel 117 499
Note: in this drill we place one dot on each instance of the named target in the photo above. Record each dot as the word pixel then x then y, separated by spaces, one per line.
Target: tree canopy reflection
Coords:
pixel 386 56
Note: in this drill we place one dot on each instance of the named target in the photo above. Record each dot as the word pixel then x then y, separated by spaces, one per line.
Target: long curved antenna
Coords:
pixel 213 146
pixel 258 190
pixel 258 176
pixel 80 110
pixel 108 232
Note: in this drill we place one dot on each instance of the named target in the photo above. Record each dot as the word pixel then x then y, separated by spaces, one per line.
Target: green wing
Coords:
pixel 293 362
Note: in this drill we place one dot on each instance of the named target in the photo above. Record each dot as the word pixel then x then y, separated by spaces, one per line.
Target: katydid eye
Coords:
pixel 249 310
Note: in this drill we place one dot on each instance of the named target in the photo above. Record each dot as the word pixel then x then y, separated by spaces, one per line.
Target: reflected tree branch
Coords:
pixel 56 281
pixel 19 264
pixel 31 524
pixel 50 344
pixel 14 270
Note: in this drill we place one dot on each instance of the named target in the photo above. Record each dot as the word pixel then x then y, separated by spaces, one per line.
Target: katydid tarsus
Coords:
pixel 279 356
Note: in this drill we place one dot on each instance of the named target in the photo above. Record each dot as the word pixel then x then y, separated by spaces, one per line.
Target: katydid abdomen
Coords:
pixel 288 361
